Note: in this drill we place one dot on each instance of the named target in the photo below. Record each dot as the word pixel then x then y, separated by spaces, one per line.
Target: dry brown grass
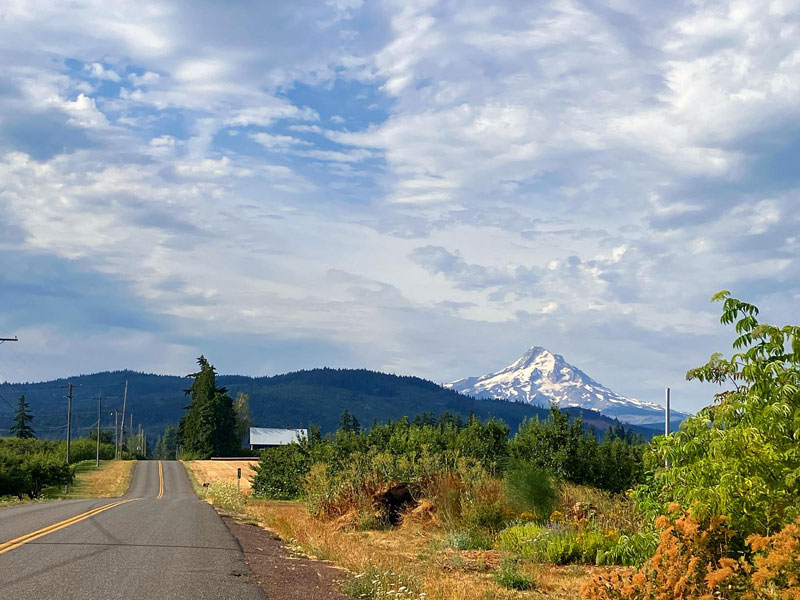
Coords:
pixel 110 480
pixel 416 550
pixel 209 471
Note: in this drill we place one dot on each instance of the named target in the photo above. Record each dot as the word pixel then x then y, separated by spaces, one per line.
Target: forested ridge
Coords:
pixel 317 396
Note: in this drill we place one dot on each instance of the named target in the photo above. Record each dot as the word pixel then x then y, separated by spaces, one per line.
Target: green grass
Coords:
pixel 510 577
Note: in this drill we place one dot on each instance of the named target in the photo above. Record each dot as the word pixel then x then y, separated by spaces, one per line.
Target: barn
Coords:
pixel 269 437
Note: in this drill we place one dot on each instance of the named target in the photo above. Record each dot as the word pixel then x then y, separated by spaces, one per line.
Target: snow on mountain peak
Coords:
pixel 541 377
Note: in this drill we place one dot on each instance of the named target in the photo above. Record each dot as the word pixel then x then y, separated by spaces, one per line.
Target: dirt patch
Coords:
pixel 209 471
pixel 282 574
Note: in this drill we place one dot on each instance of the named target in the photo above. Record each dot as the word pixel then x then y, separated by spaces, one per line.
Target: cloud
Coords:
pixel 420 187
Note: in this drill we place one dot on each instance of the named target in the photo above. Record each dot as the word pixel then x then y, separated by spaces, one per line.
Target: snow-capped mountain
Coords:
pixel 540 377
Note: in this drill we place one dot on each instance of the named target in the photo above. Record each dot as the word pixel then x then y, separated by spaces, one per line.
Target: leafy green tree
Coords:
pixel 22 421
pixel 209 426
pixel 740 456
pixel 280 471
pixel 106 436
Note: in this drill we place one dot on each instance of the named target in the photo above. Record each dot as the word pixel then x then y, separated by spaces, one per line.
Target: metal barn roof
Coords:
pixel 273 436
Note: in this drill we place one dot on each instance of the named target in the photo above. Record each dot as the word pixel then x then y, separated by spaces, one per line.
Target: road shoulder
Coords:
pixel 282 574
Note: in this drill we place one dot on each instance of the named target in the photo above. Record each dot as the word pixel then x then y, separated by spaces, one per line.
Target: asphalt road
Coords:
pixel 147 547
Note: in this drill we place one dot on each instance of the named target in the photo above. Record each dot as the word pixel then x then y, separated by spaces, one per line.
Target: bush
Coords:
pixel 472 539
pixel 565 543
pixel 740 457
pixel 692 560
pixel 530 489
pixel 697 559
pixel 280 472
pixel 510 577
pixel 29 474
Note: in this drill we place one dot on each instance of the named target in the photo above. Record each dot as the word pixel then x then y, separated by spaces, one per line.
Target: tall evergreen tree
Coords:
pixel 209 426
pixel 22 419
pixel 348 422
pixel 165 448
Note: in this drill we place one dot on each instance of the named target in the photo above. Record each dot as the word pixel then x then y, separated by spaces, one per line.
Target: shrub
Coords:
pixel 471 539
pixel 510 577
pixel 740 457
pixel 280 471
pixel 565 543
pixel 700 560
pixel 692 560
pixel 530 489
pixel 26 468
pixel 777 564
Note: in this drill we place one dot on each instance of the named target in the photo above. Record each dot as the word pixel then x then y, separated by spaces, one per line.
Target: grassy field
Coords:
pixel 109 480
pixel 415 555
pixel 209 471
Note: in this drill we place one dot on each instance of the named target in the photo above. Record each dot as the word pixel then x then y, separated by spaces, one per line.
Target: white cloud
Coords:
pixel 563 173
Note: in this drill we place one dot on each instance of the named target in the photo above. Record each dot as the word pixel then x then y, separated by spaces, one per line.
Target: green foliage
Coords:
pixel 167 444
pixel 209 427
pixel 280 472
pixel 511 577
pixel 106 436
pixel 739 457
pixel 555 543
pixel 564 449
pixel 85 449
pixel 27 466
pixel 22 421
pixel 530 489
pixel 470 539
pixel 349 423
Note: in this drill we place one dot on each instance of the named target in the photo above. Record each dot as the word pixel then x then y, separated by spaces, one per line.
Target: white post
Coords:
pixel 666 421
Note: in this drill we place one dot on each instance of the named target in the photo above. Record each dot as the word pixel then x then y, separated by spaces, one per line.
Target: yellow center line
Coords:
pixel 35 535
pixel 160 481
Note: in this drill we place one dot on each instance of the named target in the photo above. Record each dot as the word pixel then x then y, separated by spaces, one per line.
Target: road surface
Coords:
pixel 159 541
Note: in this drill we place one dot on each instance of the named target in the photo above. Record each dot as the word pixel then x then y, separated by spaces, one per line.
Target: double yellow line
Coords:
pixel 160 481
pixel 39 533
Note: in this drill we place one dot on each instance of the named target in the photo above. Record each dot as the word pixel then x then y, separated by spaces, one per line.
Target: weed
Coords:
pixel 376 584
pixel 472 539
pixel 510 577
pixel 226 495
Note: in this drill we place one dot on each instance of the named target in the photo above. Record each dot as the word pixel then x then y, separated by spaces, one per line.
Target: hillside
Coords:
pixel 295 399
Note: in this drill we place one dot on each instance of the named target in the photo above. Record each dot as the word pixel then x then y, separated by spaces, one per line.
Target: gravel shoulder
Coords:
pixel 282 574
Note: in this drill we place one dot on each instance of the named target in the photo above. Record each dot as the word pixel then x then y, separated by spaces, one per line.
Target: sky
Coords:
pixel 415 187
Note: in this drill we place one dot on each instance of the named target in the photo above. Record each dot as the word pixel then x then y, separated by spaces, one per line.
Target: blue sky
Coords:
pixel 417 187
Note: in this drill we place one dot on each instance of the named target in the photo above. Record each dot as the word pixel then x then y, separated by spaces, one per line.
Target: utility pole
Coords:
pixel 69 420
pixel 99 418
pixel 139 445
pixel 116 434
pixel 122 432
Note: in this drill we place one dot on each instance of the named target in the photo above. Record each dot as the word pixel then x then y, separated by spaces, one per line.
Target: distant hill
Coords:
pixel 317 396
